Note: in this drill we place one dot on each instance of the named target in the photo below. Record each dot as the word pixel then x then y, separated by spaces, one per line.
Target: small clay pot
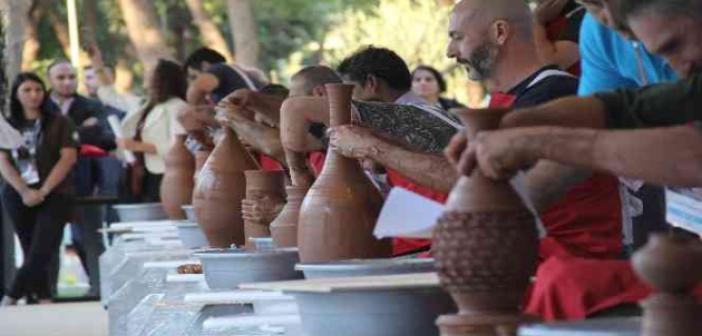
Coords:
pixel 339 213
pixel 670 265
pixel 220 187
pixel 177 184
pixel 485 246
pixel 284 227
pixel 262 185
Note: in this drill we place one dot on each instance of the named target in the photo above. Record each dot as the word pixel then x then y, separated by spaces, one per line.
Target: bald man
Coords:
pixel 493 40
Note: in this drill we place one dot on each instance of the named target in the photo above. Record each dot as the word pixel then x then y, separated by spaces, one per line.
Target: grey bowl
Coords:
pixel 189 212
pixel 395 312
pixel 191 235
pixel 228 268
pixel 140 212
pixel 366 267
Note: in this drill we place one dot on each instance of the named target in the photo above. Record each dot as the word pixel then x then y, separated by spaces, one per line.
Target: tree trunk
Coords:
pixel 90 17
pixel 243 25
pixel 30 51
pixel 15 15
pixel 145 32
pixel 211 36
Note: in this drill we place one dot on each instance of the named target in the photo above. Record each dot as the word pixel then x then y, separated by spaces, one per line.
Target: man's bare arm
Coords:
pixel 296 116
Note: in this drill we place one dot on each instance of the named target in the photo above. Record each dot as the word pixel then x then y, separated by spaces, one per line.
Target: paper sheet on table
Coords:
pixel 409 215
pixel 117 130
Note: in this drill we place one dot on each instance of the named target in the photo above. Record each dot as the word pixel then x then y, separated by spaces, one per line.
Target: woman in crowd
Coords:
pixel 429 84
pixel 37 195
pixel 151 131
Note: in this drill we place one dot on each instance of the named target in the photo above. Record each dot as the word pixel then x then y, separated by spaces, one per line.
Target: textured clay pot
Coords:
pixel 671 266
pixel 262 185
pixel 340 210
pixel 220 187
pixel 177 184
pixel 486 248
pixel 284 227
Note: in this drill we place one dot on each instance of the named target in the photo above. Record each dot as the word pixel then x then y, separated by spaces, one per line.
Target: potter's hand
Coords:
pixel 455 148
pixel 264 210
pixel 497 153
pixel 235 105
pixel 353 141
pixel 32 197
pixel 196 118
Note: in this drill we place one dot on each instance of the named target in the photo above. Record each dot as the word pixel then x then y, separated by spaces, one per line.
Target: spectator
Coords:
pixel 429 84
pixel 38 193
pixel 151 131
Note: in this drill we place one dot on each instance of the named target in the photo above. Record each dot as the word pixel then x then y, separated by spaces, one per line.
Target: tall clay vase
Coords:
pixel 284 227
pixel 220 187
pixel 671 265
pixel 486 247
pixel 262 185
pixel 340 210
pixel 177 184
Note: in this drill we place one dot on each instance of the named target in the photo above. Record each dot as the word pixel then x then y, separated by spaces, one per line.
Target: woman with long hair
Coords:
pixel 429 84
pixel 38 192
pixel 151 131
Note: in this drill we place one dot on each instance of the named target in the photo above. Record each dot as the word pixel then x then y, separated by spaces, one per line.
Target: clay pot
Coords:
pixel 177 184
pixel 485 246
pixel 340 210
pixel 262 185
pixel 670 265
pixel 219 190
pixel 284 227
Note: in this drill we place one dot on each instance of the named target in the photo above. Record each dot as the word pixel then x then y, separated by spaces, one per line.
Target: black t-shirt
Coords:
pixel 573 14
pixel 547 84
pixel 57 132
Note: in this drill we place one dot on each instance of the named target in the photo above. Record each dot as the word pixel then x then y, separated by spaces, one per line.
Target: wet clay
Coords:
pixel 485 247
pixel 340 210
pixel 177 184
pixel 284 227
pixel 262 186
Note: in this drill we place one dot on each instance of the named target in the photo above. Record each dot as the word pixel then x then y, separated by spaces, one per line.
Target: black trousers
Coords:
pixel 40 230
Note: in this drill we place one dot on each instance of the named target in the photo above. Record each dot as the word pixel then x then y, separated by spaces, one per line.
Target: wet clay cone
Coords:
pixel 485 246
pixel 262 186
pixel 671 265
pixel 177 184
pixel 220 187
pixel 284 227
pixel 339 211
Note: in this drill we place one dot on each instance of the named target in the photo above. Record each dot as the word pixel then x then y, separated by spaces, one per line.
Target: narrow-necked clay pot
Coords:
pixel 262 186
pixel 671 266
pixel 485 246
pixel 340 210
pixel 177 184
pixel 220 187
pixel 284 227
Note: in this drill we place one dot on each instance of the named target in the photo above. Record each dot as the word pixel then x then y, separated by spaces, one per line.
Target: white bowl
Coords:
pixel 391 312
pixel 140 212
pixel 191 235
pixel 365 267
pixel 228 268
pixel 189 212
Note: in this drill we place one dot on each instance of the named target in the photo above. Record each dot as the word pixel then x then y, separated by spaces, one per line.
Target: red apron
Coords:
pixel 268 163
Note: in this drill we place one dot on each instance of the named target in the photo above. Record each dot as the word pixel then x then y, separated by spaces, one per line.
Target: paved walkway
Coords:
pixel 63 319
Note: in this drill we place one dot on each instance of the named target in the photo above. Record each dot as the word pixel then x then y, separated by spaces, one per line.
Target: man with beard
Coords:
pixel 96 140
pixel 494 41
